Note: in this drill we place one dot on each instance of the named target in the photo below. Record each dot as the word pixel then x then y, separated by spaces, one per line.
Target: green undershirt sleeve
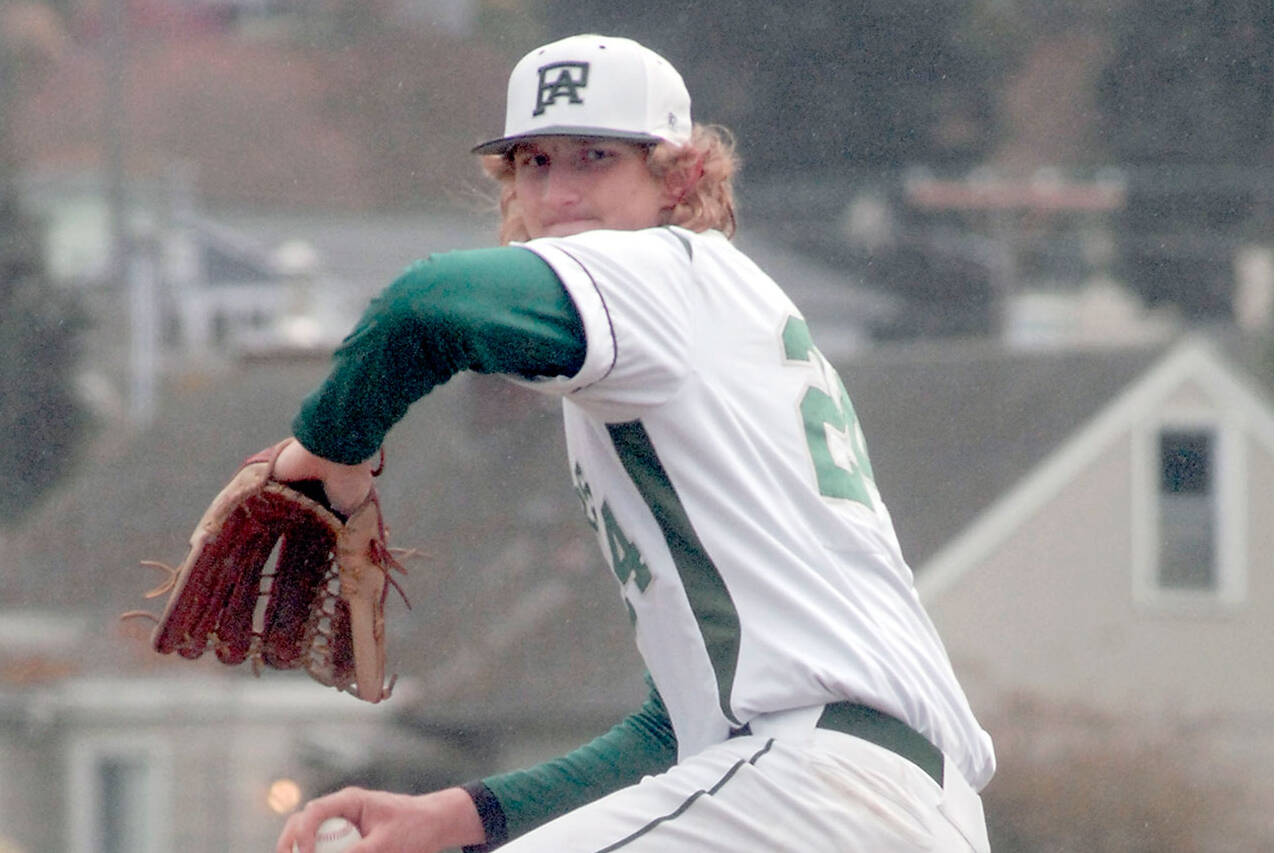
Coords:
pixel 486 310
pixel 511 804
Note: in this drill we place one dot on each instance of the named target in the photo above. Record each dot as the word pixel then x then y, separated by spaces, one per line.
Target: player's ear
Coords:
pixel 680 178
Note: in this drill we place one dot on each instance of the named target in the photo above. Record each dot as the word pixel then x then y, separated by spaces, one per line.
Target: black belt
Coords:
pixel 877 727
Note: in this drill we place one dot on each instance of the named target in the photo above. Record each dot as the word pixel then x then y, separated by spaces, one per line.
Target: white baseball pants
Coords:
pixel 815 791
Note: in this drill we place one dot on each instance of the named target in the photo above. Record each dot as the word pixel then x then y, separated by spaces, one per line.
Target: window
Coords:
pixel 121 803
pixel 1187 530
pixel 1189 520
pixel 118 798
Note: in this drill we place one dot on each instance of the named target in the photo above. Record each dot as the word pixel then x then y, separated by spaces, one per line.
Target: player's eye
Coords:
pixel 598 155
pixel 532 160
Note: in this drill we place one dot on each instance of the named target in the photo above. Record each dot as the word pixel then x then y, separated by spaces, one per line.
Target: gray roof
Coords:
pixel 952 426
pixel 368 250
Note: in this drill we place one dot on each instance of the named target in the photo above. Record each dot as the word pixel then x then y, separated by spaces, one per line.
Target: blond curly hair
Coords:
pixel 710 164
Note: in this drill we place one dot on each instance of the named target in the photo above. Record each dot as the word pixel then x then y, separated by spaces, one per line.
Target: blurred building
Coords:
pixel 1091 529
pixel 1078 477
pixel 1090 526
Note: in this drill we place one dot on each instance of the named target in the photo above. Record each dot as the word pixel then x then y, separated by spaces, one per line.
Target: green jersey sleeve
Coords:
pixel 486 310
pixel 511 804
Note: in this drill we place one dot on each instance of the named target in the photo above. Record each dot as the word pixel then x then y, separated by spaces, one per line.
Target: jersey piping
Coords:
pixel 613 360
pixel 690 800
pixel 594 368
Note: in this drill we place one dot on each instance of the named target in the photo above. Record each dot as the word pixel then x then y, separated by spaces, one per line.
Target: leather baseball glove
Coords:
pixel 276 577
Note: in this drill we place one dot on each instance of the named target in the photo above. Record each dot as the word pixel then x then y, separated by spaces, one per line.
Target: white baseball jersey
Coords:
pixel 719 460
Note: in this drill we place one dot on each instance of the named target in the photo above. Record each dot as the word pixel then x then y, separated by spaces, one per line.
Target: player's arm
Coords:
pixel 511 804
pixel 488 310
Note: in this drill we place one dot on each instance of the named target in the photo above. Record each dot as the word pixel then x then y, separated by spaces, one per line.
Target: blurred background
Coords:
pixel 1037 238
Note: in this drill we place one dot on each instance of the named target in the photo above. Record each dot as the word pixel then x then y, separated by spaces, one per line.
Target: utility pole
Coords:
pixel 143 273
pixel 114 128
pixel 133 266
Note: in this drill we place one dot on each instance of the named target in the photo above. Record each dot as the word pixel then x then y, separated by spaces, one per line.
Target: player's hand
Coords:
pixel 390 823
pixel 346 486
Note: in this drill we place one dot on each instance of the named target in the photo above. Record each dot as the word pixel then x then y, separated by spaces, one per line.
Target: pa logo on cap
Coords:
pixel 569 78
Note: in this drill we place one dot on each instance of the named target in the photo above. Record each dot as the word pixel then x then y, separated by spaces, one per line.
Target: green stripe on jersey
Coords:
pixel 708 596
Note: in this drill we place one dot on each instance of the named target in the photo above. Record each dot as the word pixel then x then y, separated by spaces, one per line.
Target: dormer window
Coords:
pixel 1189 513
pixel 1187 528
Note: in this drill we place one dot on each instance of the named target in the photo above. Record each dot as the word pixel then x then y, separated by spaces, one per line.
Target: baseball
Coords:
pixel 335 835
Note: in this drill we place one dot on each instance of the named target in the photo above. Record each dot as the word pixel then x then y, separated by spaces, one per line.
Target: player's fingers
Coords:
pixel 383 839
pixel 302 826
pixel 346 486
pixel 372 844
pixel 289 835
pixel 298 835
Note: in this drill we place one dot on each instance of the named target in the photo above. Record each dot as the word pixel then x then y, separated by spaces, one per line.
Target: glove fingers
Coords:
pixel 331 660
pixel 224 534
pixel 305 556
pixel 235 618
pixel 205 582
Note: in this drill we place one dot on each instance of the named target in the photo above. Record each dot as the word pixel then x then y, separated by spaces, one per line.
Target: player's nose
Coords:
pixel 562 186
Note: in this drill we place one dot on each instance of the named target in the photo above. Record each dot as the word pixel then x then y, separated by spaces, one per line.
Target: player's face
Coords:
pixel 566 185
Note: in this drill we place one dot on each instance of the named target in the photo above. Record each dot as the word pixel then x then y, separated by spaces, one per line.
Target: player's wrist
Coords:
pixel 454 814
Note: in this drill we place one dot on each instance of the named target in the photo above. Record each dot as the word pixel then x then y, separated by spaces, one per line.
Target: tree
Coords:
pixel 830 86
pixel 1187 111
pixel 41 418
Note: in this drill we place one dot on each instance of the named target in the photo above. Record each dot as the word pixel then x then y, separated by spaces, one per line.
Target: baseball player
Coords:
pixel 800 698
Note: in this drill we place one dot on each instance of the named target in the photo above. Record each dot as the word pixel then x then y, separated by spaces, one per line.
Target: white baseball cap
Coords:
pixel 591 85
